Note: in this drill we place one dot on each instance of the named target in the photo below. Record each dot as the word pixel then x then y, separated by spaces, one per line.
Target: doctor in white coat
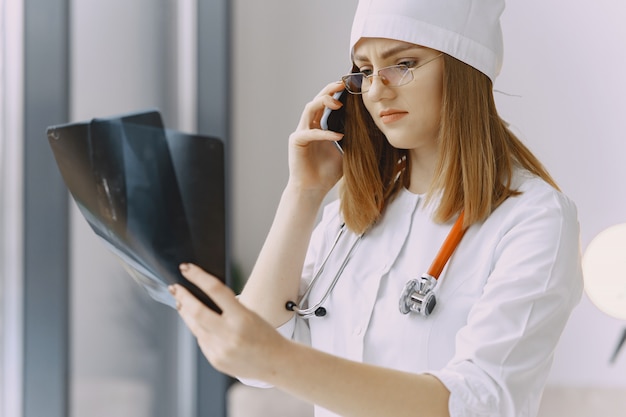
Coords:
pixel 426 160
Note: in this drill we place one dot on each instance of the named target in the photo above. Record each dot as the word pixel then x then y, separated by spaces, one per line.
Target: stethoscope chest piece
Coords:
pixel 418 296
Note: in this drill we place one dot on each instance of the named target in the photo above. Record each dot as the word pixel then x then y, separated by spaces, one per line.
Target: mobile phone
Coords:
pixel 335 119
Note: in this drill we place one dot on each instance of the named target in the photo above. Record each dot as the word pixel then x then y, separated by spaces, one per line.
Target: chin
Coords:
pixel 400 143
pixel 401 140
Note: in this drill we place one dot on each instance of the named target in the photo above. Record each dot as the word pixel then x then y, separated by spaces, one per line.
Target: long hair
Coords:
pixel 477 156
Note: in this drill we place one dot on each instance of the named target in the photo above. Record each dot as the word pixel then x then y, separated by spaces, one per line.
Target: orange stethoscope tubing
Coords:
pixel 447 248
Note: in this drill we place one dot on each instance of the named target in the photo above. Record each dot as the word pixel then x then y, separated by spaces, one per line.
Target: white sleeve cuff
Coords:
pixel 467 399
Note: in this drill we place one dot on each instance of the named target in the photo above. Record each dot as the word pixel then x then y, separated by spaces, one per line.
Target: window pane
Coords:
pixel 124 344
pixel 10 205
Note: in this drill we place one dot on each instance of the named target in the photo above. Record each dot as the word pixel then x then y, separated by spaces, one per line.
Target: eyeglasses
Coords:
pixel 393 76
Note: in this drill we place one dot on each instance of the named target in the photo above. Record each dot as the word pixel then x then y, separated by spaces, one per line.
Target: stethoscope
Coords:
pixel 417 296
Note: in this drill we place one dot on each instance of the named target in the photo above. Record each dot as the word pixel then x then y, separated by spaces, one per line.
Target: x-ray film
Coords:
pixel 156 197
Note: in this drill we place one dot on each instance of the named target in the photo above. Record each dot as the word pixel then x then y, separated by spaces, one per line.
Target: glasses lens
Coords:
pixel 353 82
pixel 396 75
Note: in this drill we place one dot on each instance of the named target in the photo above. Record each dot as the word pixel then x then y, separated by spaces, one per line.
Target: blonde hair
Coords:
pixel 477 156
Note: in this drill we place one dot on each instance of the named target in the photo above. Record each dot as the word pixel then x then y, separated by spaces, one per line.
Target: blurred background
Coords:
pixel 79 338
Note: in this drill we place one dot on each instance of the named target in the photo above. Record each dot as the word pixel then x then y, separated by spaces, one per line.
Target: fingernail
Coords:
pixel 172 289
pixel 184 267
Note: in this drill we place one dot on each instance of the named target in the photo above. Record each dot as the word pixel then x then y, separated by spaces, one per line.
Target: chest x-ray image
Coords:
pixel 155 197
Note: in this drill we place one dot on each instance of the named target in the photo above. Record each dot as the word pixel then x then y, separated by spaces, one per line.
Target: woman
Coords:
pixel 424 147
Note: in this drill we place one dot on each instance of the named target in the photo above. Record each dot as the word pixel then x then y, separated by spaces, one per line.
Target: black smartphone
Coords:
pixel 335 119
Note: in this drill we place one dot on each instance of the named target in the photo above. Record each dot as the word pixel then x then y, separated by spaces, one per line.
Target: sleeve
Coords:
pixel 505 351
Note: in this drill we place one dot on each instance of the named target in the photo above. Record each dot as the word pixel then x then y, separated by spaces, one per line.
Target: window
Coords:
pixel 10 205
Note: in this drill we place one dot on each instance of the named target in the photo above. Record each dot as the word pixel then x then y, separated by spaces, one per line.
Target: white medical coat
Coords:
pixel 503 299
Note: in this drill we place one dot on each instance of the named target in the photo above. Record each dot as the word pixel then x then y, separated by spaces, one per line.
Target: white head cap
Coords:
pixel 468 30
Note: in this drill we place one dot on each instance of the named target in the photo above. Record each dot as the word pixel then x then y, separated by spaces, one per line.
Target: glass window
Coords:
pixel 2 124
pixel 10 205
pixel 124 349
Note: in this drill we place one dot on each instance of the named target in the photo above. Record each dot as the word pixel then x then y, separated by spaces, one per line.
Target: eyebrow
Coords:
pixel 388 53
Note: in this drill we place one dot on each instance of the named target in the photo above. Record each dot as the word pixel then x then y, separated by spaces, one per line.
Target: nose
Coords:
pixel 378 89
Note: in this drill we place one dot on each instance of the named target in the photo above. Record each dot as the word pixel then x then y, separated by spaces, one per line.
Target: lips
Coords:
pixel 392 115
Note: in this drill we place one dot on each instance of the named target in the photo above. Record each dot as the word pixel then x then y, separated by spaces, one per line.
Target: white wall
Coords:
pixel 566 59
pixel 280 61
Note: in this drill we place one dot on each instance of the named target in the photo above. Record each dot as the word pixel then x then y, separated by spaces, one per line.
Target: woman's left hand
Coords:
pixel 237 342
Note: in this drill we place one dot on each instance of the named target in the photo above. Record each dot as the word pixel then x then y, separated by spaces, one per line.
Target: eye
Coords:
pixel 366 71
pixel 409 63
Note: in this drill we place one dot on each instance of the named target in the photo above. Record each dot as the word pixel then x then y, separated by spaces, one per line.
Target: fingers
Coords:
pixel 201 320
pixel 302 138
pixel 331 89
pixel 315 108
pixel 223 296
pixel 191 310
pixel 238 341
pixel 197 316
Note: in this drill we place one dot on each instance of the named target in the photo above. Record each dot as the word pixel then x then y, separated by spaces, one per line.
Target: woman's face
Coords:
pixel 409 115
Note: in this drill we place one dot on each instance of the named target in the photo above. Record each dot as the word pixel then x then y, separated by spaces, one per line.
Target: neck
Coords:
pixel 422 171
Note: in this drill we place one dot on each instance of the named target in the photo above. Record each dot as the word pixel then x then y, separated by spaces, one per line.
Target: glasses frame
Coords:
pixel 384 79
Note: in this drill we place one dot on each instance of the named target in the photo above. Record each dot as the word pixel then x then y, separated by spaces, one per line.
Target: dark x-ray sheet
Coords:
pixel 154 196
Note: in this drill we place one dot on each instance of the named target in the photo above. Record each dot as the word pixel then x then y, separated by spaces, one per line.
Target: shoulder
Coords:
pixel 539 218
pixel 331 210
pixel 537 197
pixel 540 225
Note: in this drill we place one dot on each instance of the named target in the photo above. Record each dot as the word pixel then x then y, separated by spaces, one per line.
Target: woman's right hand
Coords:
pixel 315 164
